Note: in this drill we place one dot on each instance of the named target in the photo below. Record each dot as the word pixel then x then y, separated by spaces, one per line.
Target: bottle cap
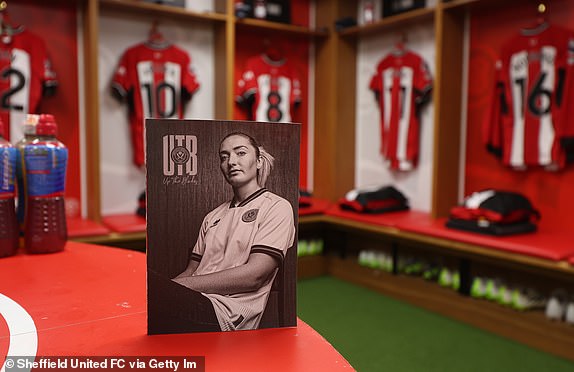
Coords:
pixel 46 125
pixel 29 124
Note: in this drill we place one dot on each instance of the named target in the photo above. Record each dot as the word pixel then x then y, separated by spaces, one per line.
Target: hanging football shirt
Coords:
pixel 25 76
pixel 402 83
pixel 526 119
pixel 270 89
pixel 157 80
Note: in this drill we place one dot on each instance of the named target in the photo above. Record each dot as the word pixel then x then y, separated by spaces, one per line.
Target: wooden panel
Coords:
pixel 155 10
pixel 324 102
pixel 490 255
pixel 531 328
pixel 311 267
pixel 124 240
pixel 230 61
pixel 335 106
pixel 389 23
pixel 491 4
pixel 449 29
pixel 452 247
pixel 278 27
pixel 344 150
pixel 90 19
pixel 460 3
pixel 222 94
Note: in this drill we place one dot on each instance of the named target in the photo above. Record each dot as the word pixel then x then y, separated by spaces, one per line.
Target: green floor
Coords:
pixel 377 333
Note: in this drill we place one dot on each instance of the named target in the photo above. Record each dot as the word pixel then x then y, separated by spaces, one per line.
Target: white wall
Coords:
pixel 370 168
pixel 121 181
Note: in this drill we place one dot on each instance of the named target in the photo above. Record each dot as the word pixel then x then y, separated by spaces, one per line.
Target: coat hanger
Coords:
pixel 155 36
pixel 272 50
pixel 541 23
pixel 541 14
pixel 6 26
pixel 400 45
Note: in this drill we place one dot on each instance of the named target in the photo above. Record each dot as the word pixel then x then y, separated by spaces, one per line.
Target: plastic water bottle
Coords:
pixel 9 236
pixel 45 162
pixel 29 129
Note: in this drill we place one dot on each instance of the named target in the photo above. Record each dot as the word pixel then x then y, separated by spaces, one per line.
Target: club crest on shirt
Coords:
pixel 250 215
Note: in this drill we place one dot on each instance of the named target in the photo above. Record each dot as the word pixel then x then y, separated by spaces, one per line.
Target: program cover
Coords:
pixel 221 225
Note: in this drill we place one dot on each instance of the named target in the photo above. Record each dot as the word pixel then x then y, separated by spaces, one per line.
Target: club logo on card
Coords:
pixel 250 215
pixel 180 159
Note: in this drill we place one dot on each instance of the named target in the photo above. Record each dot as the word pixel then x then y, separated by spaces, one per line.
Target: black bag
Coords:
pixel 393 7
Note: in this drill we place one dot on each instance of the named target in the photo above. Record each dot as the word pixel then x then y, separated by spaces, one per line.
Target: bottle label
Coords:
pixel 45 165
pixel 8 157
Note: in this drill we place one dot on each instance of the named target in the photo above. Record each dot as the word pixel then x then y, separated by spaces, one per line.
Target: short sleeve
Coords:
pixel 492 125
pixel 276 231
pixel 199 247
pixel 48 74
pixel 246 85
pixel 190 82
pixel 296 90
pixel 423 80
pixel 121 83
pixel 376 83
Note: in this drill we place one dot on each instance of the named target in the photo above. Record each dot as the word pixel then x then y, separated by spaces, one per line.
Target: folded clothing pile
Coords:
pixel 494 212
pixel 379 199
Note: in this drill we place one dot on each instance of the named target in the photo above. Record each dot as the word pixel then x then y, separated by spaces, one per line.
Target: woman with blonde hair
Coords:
pixel 242 242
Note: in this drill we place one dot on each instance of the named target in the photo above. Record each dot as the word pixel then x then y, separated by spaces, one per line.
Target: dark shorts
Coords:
pixel 173 308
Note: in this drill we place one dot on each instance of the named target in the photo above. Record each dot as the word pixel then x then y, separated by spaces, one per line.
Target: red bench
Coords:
pixel 125 223
pixel 551 246
pixel 318 206
pixel 79 228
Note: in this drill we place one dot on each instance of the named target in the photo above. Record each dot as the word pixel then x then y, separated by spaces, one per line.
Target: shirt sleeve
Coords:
pixel 375 84
pixel 423 82
pixel 190 83
pixel 276 231
pixel 49 79
pixel 246 85
pixel 492 127
pixel 295 89
pixel 199 247
pixel 121 83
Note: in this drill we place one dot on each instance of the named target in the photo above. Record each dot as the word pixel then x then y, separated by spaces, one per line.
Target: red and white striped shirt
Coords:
pixel 527 119
pixel 156 80
pixel 402 82
pixel 25 75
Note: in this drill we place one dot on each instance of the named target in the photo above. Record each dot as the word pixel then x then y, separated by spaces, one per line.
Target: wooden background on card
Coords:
pixel 175 212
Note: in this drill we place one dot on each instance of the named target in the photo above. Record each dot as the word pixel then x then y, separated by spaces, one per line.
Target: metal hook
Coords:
pixel 541 8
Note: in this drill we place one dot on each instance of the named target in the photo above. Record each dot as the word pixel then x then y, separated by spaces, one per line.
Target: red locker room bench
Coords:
pixel 125 223
pixel 80 227
pixel 550 246
pixel 318 206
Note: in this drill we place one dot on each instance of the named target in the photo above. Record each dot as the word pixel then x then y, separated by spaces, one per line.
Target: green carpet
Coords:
pixel 377 333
